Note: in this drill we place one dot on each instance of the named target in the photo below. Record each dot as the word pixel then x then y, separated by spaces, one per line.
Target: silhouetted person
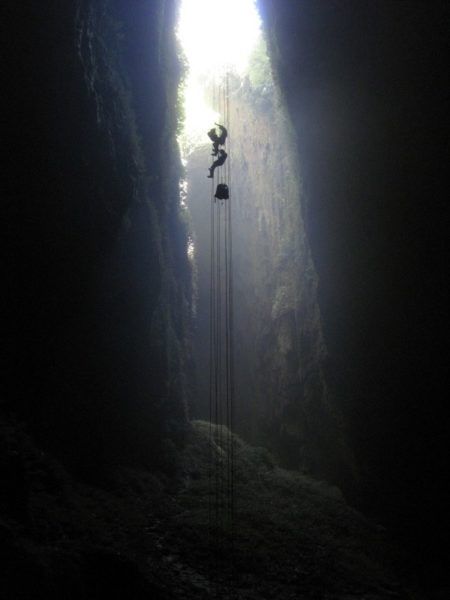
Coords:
pixel 217 163
pixel 223 134
pixel 217 140
pixel 212 134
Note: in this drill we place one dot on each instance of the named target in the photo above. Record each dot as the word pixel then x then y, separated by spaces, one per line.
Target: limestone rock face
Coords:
pixel 99 281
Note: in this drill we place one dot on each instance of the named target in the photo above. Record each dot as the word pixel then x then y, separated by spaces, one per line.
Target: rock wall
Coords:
pixel 365 84
pixel 98 283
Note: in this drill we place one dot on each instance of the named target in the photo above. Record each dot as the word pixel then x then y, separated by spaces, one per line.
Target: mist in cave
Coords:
pixel 117 479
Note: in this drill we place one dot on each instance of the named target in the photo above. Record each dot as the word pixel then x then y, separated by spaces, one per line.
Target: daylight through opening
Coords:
pixel 216 38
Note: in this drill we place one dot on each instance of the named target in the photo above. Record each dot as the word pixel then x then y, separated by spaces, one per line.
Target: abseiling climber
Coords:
pixel 217 163
pixel 217 140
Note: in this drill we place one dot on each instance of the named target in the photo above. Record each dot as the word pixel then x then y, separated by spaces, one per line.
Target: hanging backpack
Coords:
pixel 222 192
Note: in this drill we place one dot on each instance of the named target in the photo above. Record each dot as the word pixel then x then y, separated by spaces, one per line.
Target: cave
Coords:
pixel 338 446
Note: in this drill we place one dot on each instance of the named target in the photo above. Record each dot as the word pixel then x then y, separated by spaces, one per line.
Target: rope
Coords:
pixel 221 472
pixel 231 340
pixel 211 372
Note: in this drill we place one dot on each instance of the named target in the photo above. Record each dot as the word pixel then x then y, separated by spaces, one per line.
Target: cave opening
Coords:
pixel 205 30
pixel 207 59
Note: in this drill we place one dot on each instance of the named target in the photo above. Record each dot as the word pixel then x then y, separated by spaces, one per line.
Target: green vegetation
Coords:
pixel 180 109
pixel 259 71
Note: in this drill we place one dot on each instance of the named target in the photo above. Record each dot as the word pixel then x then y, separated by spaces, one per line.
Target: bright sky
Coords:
pixel 216 36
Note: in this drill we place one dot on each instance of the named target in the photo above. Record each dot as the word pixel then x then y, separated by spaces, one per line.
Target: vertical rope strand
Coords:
pixel 231 335
pixel 212 508
pixel 221 473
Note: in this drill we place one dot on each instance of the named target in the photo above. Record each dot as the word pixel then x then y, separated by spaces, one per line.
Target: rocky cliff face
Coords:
pixel 100 286
pixel 365 86
pixel 282 398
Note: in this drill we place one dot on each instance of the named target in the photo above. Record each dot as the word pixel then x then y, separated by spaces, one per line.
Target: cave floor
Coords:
pixel 142 535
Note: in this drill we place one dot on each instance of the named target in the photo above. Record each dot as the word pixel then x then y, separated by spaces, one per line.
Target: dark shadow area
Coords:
pixel 366 84
pixel 88 218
